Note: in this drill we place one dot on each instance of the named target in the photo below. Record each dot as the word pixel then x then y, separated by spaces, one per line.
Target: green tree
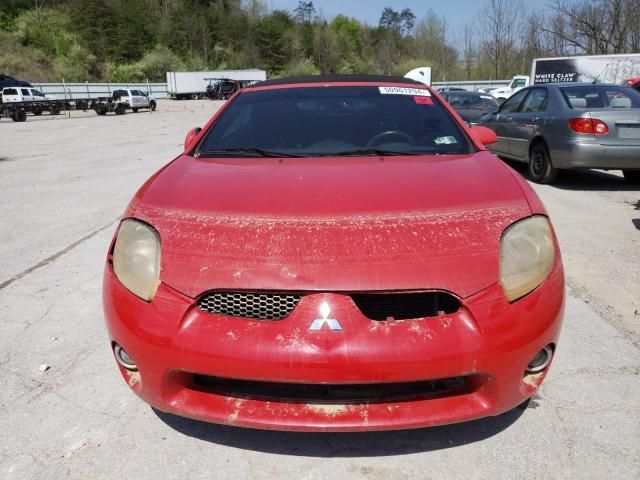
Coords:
pixel 272 39
pixel 304 12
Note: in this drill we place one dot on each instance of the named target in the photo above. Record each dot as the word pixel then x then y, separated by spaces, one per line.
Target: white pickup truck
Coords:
pixel 517 83
pixel 22 94
pixel 134 99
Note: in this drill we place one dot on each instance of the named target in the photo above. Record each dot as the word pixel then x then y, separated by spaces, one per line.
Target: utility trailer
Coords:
pixel 121 101
pixel 17 111
pixel 193 85
pixel 18 101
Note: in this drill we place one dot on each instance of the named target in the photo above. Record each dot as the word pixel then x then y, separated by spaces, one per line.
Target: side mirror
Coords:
pixel 484 135
pixel 193 133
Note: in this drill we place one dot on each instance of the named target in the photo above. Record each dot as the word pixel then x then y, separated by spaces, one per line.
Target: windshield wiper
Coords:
pixel 367 152
pixel 244 152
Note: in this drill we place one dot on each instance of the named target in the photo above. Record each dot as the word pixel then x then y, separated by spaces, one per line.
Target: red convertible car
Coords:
pixel 335 254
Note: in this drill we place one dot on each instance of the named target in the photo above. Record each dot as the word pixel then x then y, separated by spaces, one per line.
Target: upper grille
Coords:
pixel 257 306
pixel 375 306
pixel 405 306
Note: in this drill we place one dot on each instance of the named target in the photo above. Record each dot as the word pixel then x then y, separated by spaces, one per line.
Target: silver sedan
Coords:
pixel 568 126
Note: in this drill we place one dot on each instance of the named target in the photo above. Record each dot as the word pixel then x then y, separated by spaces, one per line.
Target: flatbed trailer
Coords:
pixel 17 111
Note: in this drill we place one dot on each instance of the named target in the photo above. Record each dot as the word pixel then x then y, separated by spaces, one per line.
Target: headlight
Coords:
pixel 136 258
pixel 527 255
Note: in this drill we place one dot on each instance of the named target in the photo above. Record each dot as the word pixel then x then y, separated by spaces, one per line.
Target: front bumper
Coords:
pixel 488 340
pixel 582 154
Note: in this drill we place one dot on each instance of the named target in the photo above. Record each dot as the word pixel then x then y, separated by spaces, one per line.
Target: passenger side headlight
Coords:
pixel 527 255
pixel 136 258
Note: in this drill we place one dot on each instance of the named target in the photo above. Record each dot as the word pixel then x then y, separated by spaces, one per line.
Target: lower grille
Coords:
pixel 405 306
pixel 257 306
pixel 333 393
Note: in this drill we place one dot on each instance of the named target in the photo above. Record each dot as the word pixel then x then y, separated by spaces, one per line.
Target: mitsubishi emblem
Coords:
pixel 319 323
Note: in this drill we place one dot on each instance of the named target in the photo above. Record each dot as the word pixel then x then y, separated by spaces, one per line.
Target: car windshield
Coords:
pixel 334 121
pixel 472 102
pixel 601 96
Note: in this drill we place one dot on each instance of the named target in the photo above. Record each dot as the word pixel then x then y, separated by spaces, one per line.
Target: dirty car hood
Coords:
pixel 331 224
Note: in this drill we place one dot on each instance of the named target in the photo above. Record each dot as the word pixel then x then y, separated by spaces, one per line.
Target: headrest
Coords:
pixel 578 102
pixel 620 102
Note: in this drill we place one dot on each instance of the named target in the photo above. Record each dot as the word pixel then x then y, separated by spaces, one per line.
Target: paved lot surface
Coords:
pixel 63 184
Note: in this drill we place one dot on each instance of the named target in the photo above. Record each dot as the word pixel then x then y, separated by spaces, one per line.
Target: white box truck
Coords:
pixel 616 69
pixel 193 85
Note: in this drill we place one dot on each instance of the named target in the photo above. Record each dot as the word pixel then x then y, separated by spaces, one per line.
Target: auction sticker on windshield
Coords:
pixel 414 92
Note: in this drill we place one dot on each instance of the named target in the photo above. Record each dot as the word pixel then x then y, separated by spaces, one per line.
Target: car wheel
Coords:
pixel 134 110
pixel 120 109
pixel 632 176
pixel 152 106
pixel 540 168
pixel 19 116
pixel 54 109
pixel 37 111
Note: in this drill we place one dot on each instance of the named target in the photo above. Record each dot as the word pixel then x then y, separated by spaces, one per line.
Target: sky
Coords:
pixel 456 12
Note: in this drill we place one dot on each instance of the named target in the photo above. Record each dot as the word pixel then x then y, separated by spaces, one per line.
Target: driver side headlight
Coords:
pixel 136 258
pixel 527 255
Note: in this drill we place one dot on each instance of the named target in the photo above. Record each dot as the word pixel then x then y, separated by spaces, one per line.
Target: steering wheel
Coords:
pixel 376 139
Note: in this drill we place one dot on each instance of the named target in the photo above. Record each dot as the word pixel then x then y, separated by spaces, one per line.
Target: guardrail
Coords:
pixel 70 91
pixel 473 84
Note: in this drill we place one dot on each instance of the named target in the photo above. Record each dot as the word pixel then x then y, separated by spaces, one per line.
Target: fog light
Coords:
pixel 124 358
pixel 541 360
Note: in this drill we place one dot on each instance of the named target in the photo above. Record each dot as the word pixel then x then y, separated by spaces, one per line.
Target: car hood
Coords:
pixel 331 224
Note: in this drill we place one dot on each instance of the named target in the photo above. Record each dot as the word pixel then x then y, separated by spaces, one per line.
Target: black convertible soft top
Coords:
pixel 337 78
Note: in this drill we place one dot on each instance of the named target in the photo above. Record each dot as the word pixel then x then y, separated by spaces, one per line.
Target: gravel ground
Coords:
pixel 63 185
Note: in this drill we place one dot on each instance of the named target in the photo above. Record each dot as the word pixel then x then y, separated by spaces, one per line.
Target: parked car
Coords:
pixel 223 89
pixel 334 253
pixel 7 81
pixel 569 125
pixel 134 99
pixel 471 105
pixel 450 89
